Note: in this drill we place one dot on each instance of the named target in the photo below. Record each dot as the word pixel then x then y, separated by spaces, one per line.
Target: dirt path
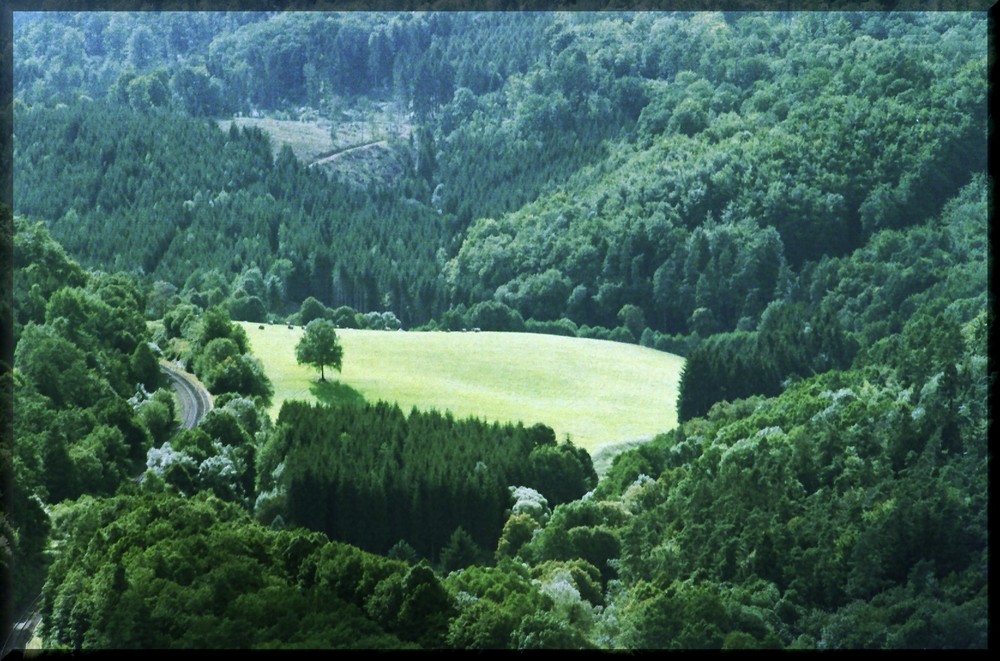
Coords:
pixel 328 157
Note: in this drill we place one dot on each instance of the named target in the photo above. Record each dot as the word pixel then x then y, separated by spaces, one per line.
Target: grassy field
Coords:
pixel 598 393
pixel 307 139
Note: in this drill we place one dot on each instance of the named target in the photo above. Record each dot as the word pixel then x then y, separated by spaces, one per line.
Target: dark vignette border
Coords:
pixel 7 127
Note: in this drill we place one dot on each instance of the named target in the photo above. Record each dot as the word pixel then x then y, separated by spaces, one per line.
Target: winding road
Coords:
pixel 195 400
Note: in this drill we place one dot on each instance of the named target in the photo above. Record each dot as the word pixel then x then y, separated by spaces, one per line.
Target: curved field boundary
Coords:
pixel 595 392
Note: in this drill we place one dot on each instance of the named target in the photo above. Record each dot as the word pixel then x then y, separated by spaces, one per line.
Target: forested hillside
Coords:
pixel 798 203
pixel 680 166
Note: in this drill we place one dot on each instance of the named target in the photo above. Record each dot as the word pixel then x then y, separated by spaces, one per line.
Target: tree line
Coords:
pixel 374 477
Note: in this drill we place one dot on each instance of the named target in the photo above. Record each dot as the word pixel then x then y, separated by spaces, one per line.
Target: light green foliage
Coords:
pixel 492 602
pixel 545 630
pixel 584 529
pixel 55 366
pixel 681 616
pixel 517 532
pixel 319 347
pixel 170 572
pixel 81 360
pixel 529 502
pixel 218 456
pixel 41 267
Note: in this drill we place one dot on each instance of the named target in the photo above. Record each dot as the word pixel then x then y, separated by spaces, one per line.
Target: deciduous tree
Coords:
pixel 320 347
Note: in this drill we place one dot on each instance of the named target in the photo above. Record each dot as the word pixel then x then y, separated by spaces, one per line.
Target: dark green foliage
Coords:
pixel 235 210
pixel 460 552
pixel 370 476
pixel 843 313
pixel 221 358
pixel 335 393
pixel 403 551
pixel 715 143
pixel 612 142
pixel 312 309
pixel 563 327
pixel 723 368
pixel 343 317
pixel 562 473
pixel 494 316
pixel 145 368
pixel 247 308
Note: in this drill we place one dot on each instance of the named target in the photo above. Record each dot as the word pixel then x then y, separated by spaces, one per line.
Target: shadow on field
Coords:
pixel 335 393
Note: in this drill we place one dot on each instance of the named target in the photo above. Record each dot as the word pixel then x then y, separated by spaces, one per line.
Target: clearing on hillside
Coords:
pixel 598 393
pixel 354 148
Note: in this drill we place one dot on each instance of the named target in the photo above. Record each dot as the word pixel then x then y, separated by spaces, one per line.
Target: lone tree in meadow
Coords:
pixel 320 347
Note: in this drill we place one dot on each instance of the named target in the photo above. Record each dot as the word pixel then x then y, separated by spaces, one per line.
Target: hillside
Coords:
pixel 608 166
pixel 731 382
pixel 356 147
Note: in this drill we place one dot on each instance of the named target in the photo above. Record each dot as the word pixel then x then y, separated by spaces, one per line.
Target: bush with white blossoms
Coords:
pixel 530 502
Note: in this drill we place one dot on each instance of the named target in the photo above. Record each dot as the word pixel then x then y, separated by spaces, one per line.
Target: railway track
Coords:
pixel 194 399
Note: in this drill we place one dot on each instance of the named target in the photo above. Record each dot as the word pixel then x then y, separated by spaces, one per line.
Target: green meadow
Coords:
pixel 595 392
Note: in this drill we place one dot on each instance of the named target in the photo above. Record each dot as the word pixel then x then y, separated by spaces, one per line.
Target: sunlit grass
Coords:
pixel 595 392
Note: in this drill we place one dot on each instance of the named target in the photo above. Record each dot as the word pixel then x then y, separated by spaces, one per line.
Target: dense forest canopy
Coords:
pixel 798 203
pixel 679 164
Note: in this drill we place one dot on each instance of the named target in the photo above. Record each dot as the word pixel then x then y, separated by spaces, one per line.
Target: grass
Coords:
pixel 311 139
pixel 599 394
pixel 307 139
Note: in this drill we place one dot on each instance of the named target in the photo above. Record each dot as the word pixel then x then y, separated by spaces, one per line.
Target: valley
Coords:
pixel 640 330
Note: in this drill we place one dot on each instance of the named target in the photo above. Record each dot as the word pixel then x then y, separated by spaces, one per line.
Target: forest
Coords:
pixel 798 203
